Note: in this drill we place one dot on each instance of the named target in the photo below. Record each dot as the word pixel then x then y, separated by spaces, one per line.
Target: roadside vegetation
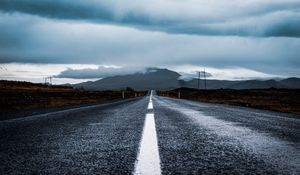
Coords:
pixel 17 96
pixel 281 100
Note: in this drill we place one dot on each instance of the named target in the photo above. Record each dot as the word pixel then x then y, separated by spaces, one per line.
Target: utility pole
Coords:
pixel 48 80
pixel 204 79
pixel 51 80
pixel 199 73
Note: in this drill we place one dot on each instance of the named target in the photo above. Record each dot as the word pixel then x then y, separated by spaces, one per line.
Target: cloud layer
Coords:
pixel 200 17
pixel 41 40
pixel 241 35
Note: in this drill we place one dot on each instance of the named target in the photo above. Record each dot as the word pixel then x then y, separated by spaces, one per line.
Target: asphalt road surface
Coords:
pixel 152 135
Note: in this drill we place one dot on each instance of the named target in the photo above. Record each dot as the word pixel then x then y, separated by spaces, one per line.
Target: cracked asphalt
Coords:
pixel 193 138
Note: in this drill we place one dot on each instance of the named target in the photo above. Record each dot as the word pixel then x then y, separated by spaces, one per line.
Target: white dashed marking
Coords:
pixel 148 161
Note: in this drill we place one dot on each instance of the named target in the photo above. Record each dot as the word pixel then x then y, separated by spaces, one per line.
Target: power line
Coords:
pixel 48 80
pixel 199 76
pixel 3 68
pixel 204 78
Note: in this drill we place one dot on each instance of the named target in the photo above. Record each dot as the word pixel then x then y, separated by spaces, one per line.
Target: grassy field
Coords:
pixel 16 96
pixel 281 100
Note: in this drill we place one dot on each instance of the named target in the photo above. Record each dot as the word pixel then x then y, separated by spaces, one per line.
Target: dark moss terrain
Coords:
pixel 23 96
pixel 281 100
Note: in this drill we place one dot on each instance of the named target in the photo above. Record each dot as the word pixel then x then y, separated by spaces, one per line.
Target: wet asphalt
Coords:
pixel 193 138
pixel 203 138
pixel 101 139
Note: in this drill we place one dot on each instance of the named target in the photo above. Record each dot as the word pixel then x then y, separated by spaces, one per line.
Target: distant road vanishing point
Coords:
pixel 152 135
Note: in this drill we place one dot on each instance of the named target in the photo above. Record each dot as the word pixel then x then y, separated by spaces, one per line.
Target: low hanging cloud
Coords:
pixel 269 18
pixel 194 75
pixel 100 72
pixel 189 72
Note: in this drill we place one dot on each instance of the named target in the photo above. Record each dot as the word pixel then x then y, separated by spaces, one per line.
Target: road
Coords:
pixel 152 135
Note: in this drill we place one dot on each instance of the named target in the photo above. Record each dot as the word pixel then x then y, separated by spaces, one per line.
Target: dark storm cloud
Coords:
pixel 74 10
pixel 56 9
pixel 287 28
pixel 253 34
pixel 41 40
pixel 241 18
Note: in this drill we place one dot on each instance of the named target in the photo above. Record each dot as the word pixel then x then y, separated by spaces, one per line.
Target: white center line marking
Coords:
pixel 150 105
pixel 148 161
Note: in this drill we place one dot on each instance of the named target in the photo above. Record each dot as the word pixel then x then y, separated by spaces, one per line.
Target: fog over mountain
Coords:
pixel 151 79
pixel 164 79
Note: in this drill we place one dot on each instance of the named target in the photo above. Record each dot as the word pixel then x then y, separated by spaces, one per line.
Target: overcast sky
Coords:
pixel 91 39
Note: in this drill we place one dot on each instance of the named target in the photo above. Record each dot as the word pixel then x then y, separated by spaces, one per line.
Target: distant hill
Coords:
pixel 4 84
pixel 291 82
pixel 210 84
pixel 164 79
pixel 257 84
pixel 153 78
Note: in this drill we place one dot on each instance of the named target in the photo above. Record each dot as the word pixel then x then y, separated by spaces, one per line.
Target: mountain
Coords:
pixel 153 78
pixel 257 84
pixel 164 79
pixel 292 82
pixel 210 84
